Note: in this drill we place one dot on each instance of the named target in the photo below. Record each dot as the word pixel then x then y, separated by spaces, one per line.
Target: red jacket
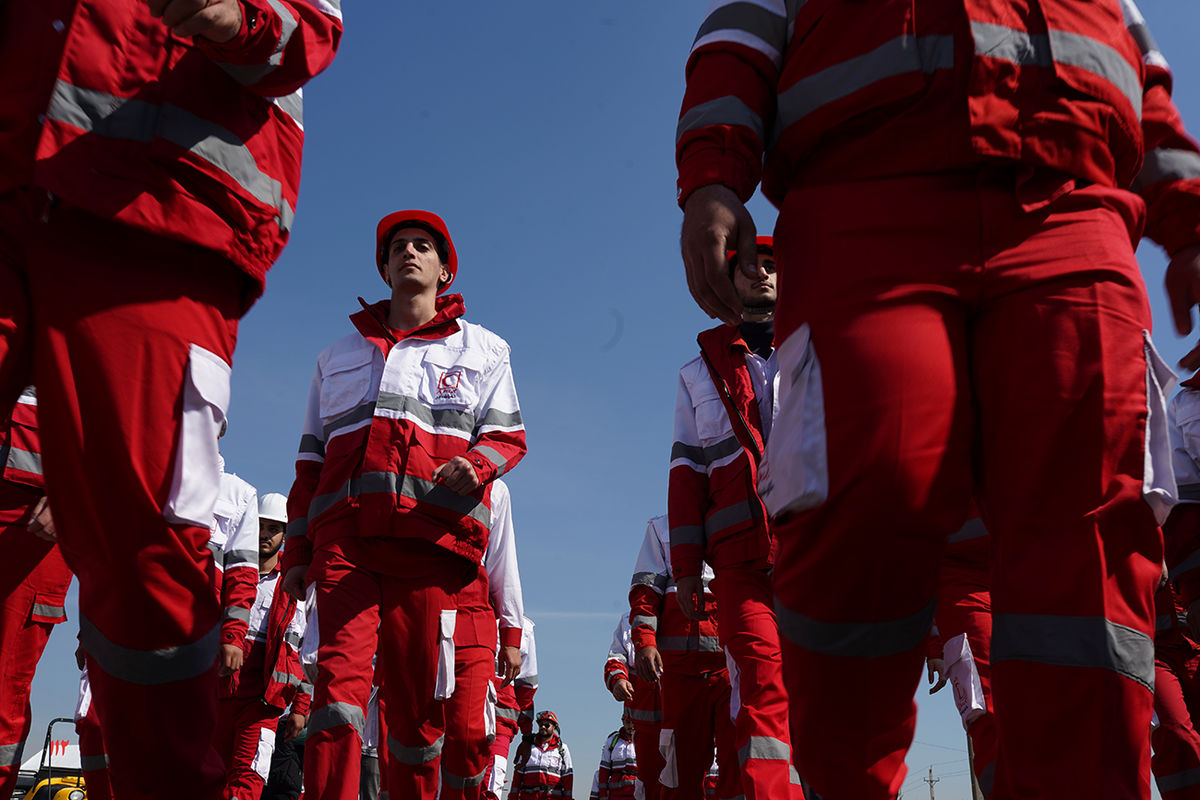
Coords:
pixel 712 501
pixel 386 409
pixel 183 137
pixel 833 94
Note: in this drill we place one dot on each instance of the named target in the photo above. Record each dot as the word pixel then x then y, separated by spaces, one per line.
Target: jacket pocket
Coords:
pixel 196 481
pixel 451 379
pixel 346 383
pixel 444 686
pixel 48 607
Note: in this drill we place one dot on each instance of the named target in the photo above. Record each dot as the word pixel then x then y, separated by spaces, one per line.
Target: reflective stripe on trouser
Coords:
pixel 359 610
pixel 1176 761
pixel 696 708
pixel 746 620
pixel 113 313
pixel 964 605
pixel 649 757
pixel 467 753
pixel 93 759
pixel 988 347
pixel 21 645
pixel 241 722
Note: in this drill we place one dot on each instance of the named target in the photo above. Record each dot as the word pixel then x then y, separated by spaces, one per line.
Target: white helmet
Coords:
pixel 273 506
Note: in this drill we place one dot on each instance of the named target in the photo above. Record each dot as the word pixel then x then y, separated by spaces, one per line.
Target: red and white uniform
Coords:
pixel 1181 531
pixel 390 550
pixel 142 200
pixel 546 775
pixel 234 545
pixel 617 776
pixel 928 272
pixel 270 680
pixel 645 708
pixel 716 515
pixel 695 680
pixel 514 710
pixel 35 576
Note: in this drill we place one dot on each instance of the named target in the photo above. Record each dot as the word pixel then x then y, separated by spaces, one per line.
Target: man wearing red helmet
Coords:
pixel 410 418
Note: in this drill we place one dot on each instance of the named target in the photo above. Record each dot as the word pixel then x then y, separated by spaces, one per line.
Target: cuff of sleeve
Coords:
pixel 708 165
pixel 252 44
pixel 686 566
pixel 644 637
pixel 301 703
pixel 297 553
pixel 233 631
pixel 510 637
pixel 485 470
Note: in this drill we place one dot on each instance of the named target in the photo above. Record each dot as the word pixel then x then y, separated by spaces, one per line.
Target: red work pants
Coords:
pixel 467 752
pixel 695 720
pixel 106 321
pixel 1176 762
pixel 400 613
pixel 246 740
pixel 649 757
pixel 93 760
pixel 506 728
pixel 965 342
pixel 750 634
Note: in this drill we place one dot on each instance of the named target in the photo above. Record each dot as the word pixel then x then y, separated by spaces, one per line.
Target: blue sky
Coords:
pixel 543 133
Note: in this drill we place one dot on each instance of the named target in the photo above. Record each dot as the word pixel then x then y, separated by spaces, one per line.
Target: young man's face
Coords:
pixel 760 290
pixel 270 538
pixel 413 262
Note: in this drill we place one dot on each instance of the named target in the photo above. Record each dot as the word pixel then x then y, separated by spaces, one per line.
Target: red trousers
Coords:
pixel 964 342
pixel 750 634
pixel 1176 762
pixel 695 719
pixel 467 752
pixel 400 614
pixel 649 757
pixel 122 332
pixel 246 740
pixel 93 760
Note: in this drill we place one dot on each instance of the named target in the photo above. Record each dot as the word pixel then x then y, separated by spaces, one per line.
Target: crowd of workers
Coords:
pixel 944 432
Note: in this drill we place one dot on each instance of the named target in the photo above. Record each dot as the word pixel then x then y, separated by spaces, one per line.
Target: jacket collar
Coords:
pixel 371 322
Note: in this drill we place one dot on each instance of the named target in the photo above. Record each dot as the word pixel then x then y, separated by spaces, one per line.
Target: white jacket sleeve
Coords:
pixel 500 562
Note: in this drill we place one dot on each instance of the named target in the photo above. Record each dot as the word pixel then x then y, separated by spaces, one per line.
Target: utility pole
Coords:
pixel 931 781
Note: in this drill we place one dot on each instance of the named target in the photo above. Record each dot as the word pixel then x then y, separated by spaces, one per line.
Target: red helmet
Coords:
pixel 417 219
pixel 547 715
pixel 766 244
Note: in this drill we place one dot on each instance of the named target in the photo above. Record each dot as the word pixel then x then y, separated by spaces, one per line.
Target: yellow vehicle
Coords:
pixel 55 783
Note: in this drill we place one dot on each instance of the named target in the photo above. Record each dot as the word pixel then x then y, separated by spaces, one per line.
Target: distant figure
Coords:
pixel 542 768
pixel 617 776
pixel 643 703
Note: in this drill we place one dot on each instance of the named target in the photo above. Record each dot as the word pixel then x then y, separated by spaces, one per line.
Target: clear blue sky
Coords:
pixel 543 133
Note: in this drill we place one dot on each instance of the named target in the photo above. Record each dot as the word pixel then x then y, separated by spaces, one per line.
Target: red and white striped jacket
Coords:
pixel 713 506
pixel 686 646
pixel 646 706
pixel 234 545
pixel 831 94
pixel 385 410
pixel 616 778
pixel 180 136
pixel 547 773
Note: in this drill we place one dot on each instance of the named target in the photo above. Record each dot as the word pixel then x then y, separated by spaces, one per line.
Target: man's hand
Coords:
pixel 295 726
pixel 41 524
pixel 293 581
pixel 689 591
pixel 622 690
pixel 714 222
pixel 230 659
pixel 936 666
pixel 508 664
pixel 649 664
pixel 216 20
pixel 1183 292
pixel 457 475
pixel 80 656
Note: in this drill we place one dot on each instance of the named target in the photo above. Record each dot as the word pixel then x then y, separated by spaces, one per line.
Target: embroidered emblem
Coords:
pixel 447 385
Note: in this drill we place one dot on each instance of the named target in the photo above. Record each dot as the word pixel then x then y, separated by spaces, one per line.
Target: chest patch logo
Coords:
pixel 447 385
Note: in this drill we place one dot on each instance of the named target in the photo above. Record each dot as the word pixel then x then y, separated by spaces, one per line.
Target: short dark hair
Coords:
pixel 439 241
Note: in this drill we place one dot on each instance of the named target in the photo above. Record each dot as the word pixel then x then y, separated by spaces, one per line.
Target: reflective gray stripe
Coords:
pixel 311 444
pixel 1042 49
pixel 241 558
pixel 765 747
pixel 93 763
pixel 794 777
pixel 10 754
pixel 498 461
pixel 1145 40
pixel 422 491
pixel 507 713
pixel 704 456
pixel 676 644
pixel 453 418
pixel 292 638
pixel 306 688
pixel 1180 780
pixel 974 529
pixel 899 56
pixel 501 419
pixel 727 517
pixel 1187 565
pixel 856 639
pixel 292 105
pixel 649 622
pixel 1165 164
pixel 25 461
pixel 285 678
pixel 54 612
pixel 645 716
pixel 528 680
pixel 126 118
pixel 335 714
pixel 749 17
pixel 238 613
pixel 459 782
pixel 149 667
pixel 297 527
pixel 1074 642
pixel 687 535
pixel 354 415
pixel 986 778
pixel 218 554
pixel 650 579
pixel 722 111
pixel 421 754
